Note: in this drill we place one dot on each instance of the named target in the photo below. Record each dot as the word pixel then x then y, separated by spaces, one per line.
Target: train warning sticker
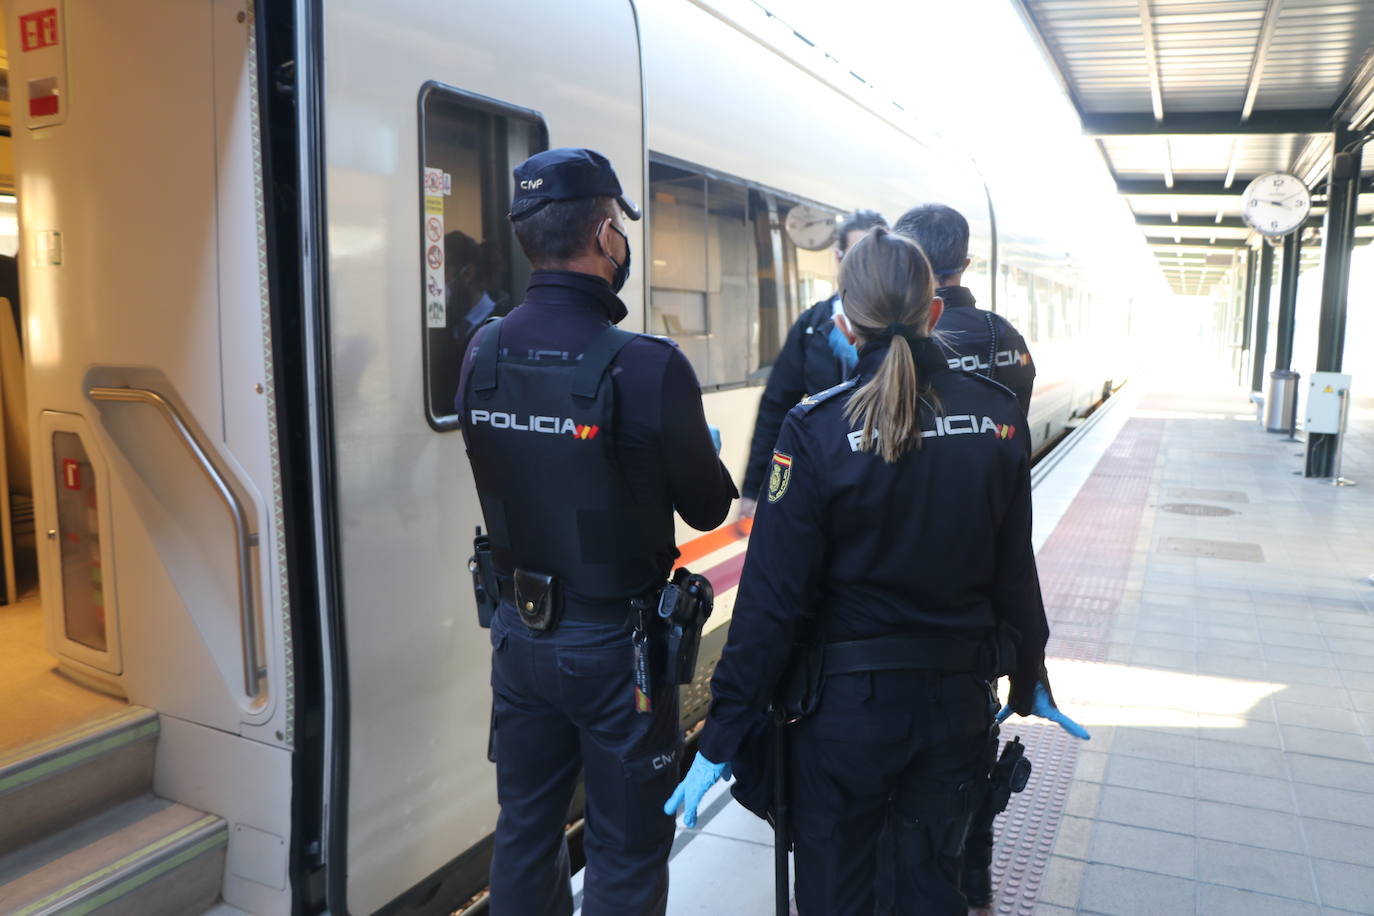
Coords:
pixel 779 476
pixel 38 30
pixel 71 474
pixel 437 183
pixel 44 49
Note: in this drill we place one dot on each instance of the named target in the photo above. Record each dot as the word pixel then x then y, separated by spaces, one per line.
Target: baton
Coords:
pixel 781 817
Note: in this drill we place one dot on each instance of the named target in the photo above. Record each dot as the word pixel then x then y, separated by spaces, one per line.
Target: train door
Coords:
pixel 424 109
pixel 147 724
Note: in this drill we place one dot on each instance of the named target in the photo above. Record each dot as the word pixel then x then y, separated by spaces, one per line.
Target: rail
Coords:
pixel 253 670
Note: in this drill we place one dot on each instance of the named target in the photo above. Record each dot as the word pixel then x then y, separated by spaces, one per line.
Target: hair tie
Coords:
pixel 898 329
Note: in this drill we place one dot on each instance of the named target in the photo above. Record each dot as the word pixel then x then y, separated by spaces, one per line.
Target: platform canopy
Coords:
pixel 1191 99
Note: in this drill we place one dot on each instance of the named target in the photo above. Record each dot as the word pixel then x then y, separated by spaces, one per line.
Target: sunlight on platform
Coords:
pixel 1099 693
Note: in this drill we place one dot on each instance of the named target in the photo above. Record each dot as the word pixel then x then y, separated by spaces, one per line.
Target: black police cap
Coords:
pixel 566 173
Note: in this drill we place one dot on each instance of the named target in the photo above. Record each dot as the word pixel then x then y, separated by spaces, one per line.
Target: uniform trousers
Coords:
pixel 978 849
pixel 564 704
pixel 890 758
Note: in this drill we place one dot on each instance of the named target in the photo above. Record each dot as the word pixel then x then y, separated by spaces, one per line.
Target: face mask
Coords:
pixel 844 351
pixel 622 271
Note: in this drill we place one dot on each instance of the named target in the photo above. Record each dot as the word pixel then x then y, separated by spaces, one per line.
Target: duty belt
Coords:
pixel 912 653
pixel 615 612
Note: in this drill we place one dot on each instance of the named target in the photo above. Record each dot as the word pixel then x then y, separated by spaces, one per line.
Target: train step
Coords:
pixel 148 856
pixel 81 831
pixel 55 782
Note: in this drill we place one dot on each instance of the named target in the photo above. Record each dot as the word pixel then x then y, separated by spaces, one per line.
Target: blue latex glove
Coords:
pixel 715 437
pixel 844 351
pixel 1044 707
pixel 692 789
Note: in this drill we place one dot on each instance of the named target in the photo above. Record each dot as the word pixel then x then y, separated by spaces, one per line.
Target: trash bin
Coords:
pixel 1280 407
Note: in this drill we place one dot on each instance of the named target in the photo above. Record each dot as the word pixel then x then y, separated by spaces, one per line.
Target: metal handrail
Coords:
pixel 253 670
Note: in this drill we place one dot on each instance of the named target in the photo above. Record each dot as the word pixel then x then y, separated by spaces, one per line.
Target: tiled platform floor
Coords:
pixel 1231 769
pixel 1231 701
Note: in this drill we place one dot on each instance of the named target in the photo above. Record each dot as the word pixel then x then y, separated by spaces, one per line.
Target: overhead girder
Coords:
pixel 1268 121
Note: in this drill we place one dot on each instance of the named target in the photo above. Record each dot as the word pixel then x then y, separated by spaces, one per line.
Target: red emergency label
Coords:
pixel 43 97
pixel 71 474
pixel 38 30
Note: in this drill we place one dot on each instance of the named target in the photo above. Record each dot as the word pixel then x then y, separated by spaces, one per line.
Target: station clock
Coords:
pixel 1276 204
pixel 810 227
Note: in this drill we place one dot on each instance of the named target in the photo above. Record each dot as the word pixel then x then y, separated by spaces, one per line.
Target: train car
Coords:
pixel 253 239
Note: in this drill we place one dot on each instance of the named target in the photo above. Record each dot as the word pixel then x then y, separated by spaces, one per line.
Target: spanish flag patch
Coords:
pixel 779 476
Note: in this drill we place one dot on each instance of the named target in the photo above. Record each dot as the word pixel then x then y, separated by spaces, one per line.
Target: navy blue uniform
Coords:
pixel 805 365
pixel 564 699
pixel 935 545
pixel 976 340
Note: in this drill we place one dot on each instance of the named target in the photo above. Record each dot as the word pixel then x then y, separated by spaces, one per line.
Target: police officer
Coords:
pixel 895 528
pixel 583 440
pixel 815 356
pixel 974 340
pixel 979 341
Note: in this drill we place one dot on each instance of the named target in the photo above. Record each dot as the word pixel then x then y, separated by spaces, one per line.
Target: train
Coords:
pixel 252 239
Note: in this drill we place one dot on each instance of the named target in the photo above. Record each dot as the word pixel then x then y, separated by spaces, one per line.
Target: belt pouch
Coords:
pixel 538 599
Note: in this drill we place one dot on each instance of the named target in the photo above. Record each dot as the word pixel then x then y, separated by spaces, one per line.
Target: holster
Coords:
pixel 683 607
pixel 1009 775
pixel 538 599
pixel 486 585
pixel 799 693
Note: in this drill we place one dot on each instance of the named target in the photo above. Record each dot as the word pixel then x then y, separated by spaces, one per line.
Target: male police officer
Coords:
pixel 974 340
pixel 583 440
pixel 979 341
pixel 816 356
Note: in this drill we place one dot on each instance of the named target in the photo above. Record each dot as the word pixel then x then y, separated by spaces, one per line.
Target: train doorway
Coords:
pixel 38 700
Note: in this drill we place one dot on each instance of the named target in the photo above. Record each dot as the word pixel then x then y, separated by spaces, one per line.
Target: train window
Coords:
pixel 677 277
pixel 726 282
pixel 471 267
pixel 817 276
pixel 773 299
pixel 732 284
pixel 702 282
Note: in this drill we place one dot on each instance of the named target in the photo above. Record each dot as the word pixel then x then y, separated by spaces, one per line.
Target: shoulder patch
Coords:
pixel 779 476
pixel 808 403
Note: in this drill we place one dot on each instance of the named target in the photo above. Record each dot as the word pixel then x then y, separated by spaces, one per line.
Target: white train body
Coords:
pixel 231 212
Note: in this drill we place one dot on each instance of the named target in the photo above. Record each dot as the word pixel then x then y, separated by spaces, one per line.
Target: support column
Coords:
pixel 1288 300
pixel 1247 292
pixel 1280 404
pixel 1338 240
pixel 1264 285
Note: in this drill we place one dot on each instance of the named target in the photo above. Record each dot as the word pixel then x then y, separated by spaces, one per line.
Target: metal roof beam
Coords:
pixel 1200 222
pixel 1197 243
pixel 1268 121
pixel 1141 187
pixel 1052 57
pixel 1266 35
pixel 1147 27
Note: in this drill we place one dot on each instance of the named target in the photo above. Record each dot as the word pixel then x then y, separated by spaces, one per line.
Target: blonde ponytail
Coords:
pixel 887 285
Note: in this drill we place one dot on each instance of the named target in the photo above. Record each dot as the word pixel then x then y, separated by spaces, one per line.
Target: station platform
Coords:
pixel 1213 627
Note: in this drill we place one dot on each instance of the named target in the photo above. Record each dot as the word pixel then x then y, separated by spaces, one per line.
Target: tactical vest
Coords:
pixel 541 439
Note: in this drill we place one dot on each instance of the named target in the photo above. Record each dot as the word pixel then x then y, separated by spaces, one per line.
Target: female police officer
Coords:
pixel 895 527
